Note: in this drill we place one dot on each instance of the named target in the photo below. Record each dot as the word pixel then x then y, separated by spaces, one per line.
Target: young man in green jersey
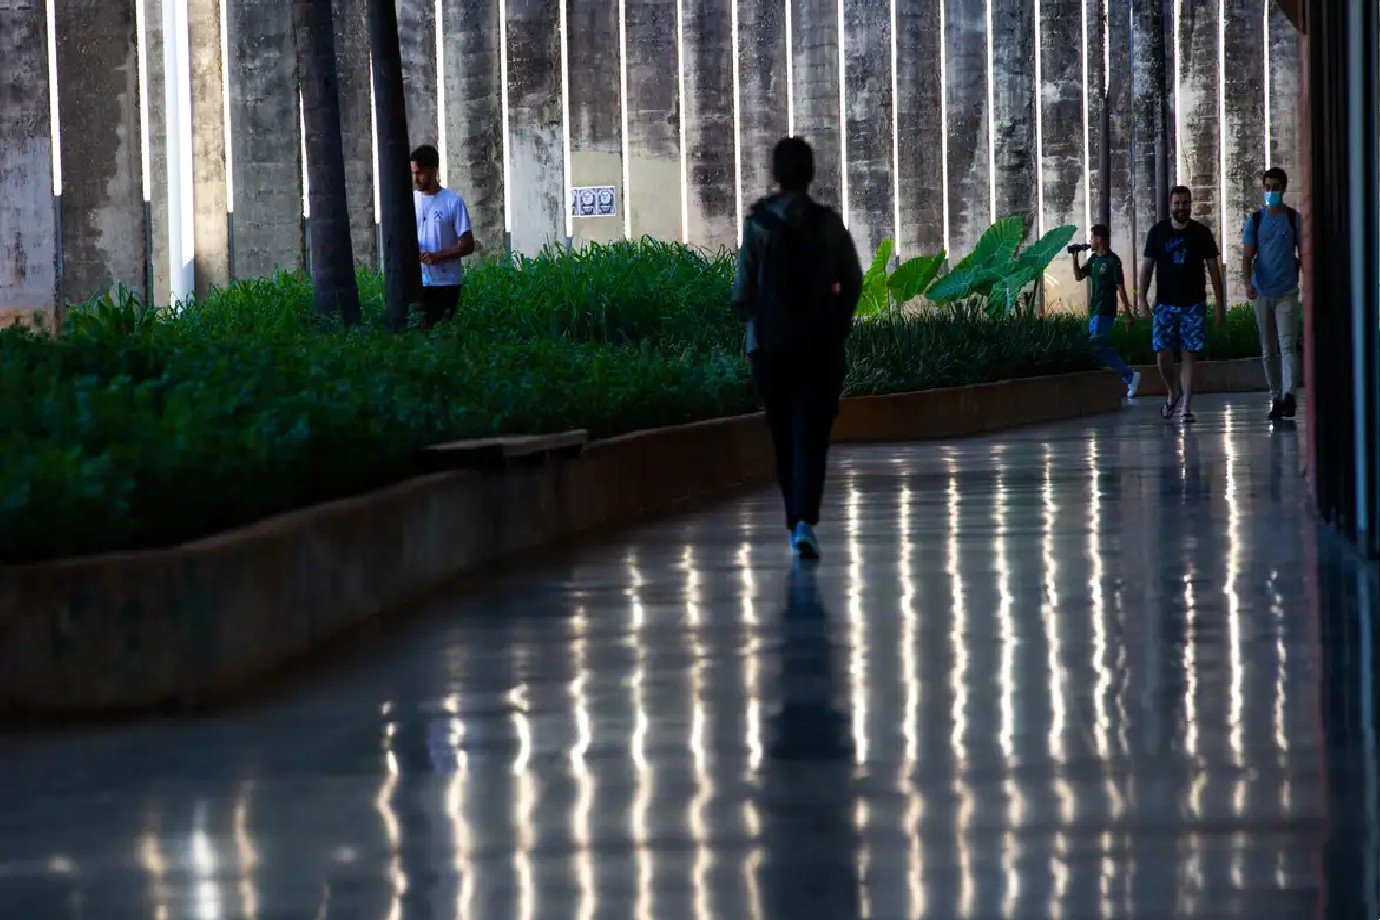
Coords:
pixel 1106 281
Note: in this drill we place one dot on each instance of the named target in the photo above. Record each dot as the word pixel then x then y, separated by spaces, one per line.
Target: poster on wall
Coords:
pixel 594 201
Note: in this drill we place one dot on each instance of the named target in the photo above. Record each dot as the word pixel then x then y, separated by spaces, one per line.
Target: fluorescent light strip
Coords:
pixel 225 108
pixel 54 122
pixel 737 121
pixel 374 139
pixel 1178 100
pixel 895 134
pixel 790 69
pixel 680 84
pixel 623 106
pixel 181 79
pixel 564 12
pixel 944 120
pixel 507 118
pixel 1222 187
pixel 1039 123
pixel 442 147
pixel 991 123
pixel 843 119
pixel 1269 133
pixel 1087 140
pixel 141 53
pixel 306 178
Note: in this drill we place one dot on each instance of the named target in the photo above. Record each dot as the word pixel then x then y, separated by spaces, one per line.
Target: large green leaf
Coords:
pixel 956 285
pixel 1046 249
pixel 875 297
pixel 997 245
pixel 914 275
pixel 1005 294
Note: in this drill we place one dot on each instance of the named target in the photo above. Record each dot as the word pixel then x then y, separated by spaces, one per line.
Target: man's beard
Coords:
pixel 1181 216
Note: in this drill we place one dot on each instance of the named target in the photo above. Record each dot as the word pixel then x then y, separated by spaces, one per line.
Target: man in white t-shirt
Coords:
pixel 443 237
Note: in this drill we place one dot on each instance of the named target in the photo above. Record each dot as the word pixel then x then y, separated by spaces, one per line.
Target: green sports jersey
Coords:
pixel 1104 278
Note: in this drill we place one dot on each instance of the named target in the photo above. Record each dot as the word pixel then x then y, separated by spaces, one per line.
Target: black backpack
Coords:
pixel 798 311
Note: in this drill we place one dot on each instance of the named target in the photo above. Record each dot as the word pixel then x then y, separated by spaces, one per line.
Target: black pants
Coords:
pixel 439 304
pixel 801 398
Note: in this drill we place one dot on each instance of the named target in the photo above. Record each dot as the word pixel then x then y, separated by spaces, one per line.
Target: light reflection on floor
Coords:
pixel 1095 669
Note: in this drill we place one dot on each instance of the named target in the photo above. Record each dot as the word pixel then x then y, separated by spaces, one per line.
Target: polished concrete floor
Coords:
pixel 1106 668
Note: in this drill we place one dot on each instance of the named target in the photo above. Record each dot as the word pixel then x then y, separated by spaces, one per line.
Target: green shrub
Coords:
pixel 1236 339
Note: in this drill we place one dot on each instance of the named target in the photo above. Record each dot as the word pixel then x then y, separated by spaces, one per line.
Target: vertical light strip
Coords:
pixel 1178 100
pixel 507 118
pixel 374 144
pixel 141 52
pixel 623 106
pixel 1039 121
pixel 895 134
pixel 1222 196
pixel 944 120
pixel 225 108
pixel 442 146
pixel 1267 67
pixel 790 69
pixel 737 121
pixel 843 118
pixel 991 122
pixel 179 80
pixel 54 123
pixel 564 13
pixel 1087 137
pixel 680 84
pixel 306 178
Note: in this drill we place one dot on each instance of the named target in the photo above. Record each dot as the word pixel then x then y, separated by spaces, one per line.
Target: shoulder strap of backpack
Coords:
pixel 1255 226
pixel 1294 223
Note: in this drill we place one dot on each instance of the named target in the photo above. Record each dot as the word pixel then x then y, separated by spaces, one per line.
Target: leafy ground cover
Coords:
pixel 140 427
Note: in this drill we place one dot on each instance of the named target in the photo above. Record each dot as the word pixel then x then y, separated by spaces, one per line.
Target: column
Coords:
pixel 1013 111
pixel 1243 131
pixel 417 39
pixel 1120 99
pixel 708 112
pixel 1198 120
pixel 103 243
pixel 1061 95
pixel 871 205
pixel 28 235
pixel 815 64
pixel 357 126
pixel 654 194
pixel 536 159
pixel 156 195
pixel 266 139
pixel 474 114
pixel 1282 81
pixel 596 111
pixel 209 175
pixel 763 111
pixel 970 191
pixel 920 128
pixel 1149 81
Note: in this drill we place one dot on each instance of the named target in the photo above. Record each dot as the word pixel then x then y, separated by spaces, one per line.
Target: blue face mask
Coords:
pixel 1274 199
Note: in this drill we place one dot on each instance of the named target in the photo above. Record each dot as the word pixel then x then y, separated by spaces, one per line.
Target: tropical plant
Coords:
pixel 997 270
pixel 881 290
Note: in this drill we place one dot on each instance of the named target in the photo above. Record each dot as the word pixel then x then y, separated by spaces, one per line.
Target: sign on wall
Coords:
pixel 594 201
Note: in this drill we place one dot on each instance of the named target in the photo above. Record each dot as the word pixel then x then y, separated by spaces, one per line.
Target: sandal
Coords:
pixel 1167 410
pixel 1189 418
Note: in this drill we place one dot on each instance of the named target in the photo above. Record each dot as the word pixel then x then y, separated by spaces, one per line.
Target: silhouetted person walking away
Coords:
pixel 797 287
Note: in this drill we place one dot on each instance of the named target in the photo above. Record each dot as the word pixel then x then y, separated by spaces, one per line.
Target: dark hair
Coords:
pixel 793 164
pixel 1274 172
pixel 1102 230
pixel 427 157
pixel 1181 190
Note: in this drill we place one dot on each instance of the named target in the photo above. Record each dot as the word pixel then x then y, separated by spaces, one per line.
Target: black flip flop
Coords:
pixel 1189 418
pixel 1167 410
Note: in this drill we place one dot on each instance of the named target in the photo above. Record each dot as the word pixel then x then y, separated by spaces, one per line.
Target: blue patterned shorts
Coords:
pixel 1180 328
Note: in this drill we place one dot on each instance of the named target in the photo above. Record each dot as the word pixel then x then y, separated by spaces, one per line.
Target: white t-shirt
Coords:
pixel 441 220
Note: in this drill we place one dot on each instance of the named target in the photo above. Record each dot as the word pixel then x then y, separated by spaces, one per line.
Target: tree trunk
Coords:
pixel 402 267
pixel 332 257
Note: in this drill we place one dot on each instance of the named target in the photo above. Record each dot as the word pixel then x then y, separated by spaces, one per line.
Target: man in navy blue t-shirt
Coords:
pixel 1271 266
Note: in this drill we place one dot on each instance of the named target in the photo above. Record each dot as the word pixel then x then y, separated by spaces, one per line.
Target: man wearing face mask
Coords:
pixel 1179 250
pixel 1271 266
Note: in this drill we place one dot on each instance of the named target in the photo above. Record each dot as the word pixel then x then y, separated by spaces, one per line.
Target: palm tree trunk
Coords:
pixel 332 257
pixel 402 268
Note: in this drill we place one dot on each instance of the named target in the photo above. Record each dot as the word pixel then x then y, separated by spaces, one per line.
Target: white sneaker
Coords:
pixel 804 542
pixel 1133 387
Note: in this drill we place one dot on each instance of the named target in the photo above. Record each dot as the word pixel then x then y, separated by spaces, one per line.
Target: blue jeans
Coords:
pixel 1100 328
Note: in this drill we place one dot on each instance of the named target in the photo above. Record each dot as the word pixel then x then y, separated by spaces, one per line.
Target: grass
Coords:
pixel 140 427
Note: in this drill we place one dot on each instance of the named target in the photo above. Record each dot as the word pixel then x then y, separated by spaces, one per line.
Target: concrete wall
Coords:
pixel 596 111
pixel 835 83
pixel 266 137
pixel 28 238
pixel 357 125
pixel 535 142
pixel 654 195
pixel 102 231
pixel 474 114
